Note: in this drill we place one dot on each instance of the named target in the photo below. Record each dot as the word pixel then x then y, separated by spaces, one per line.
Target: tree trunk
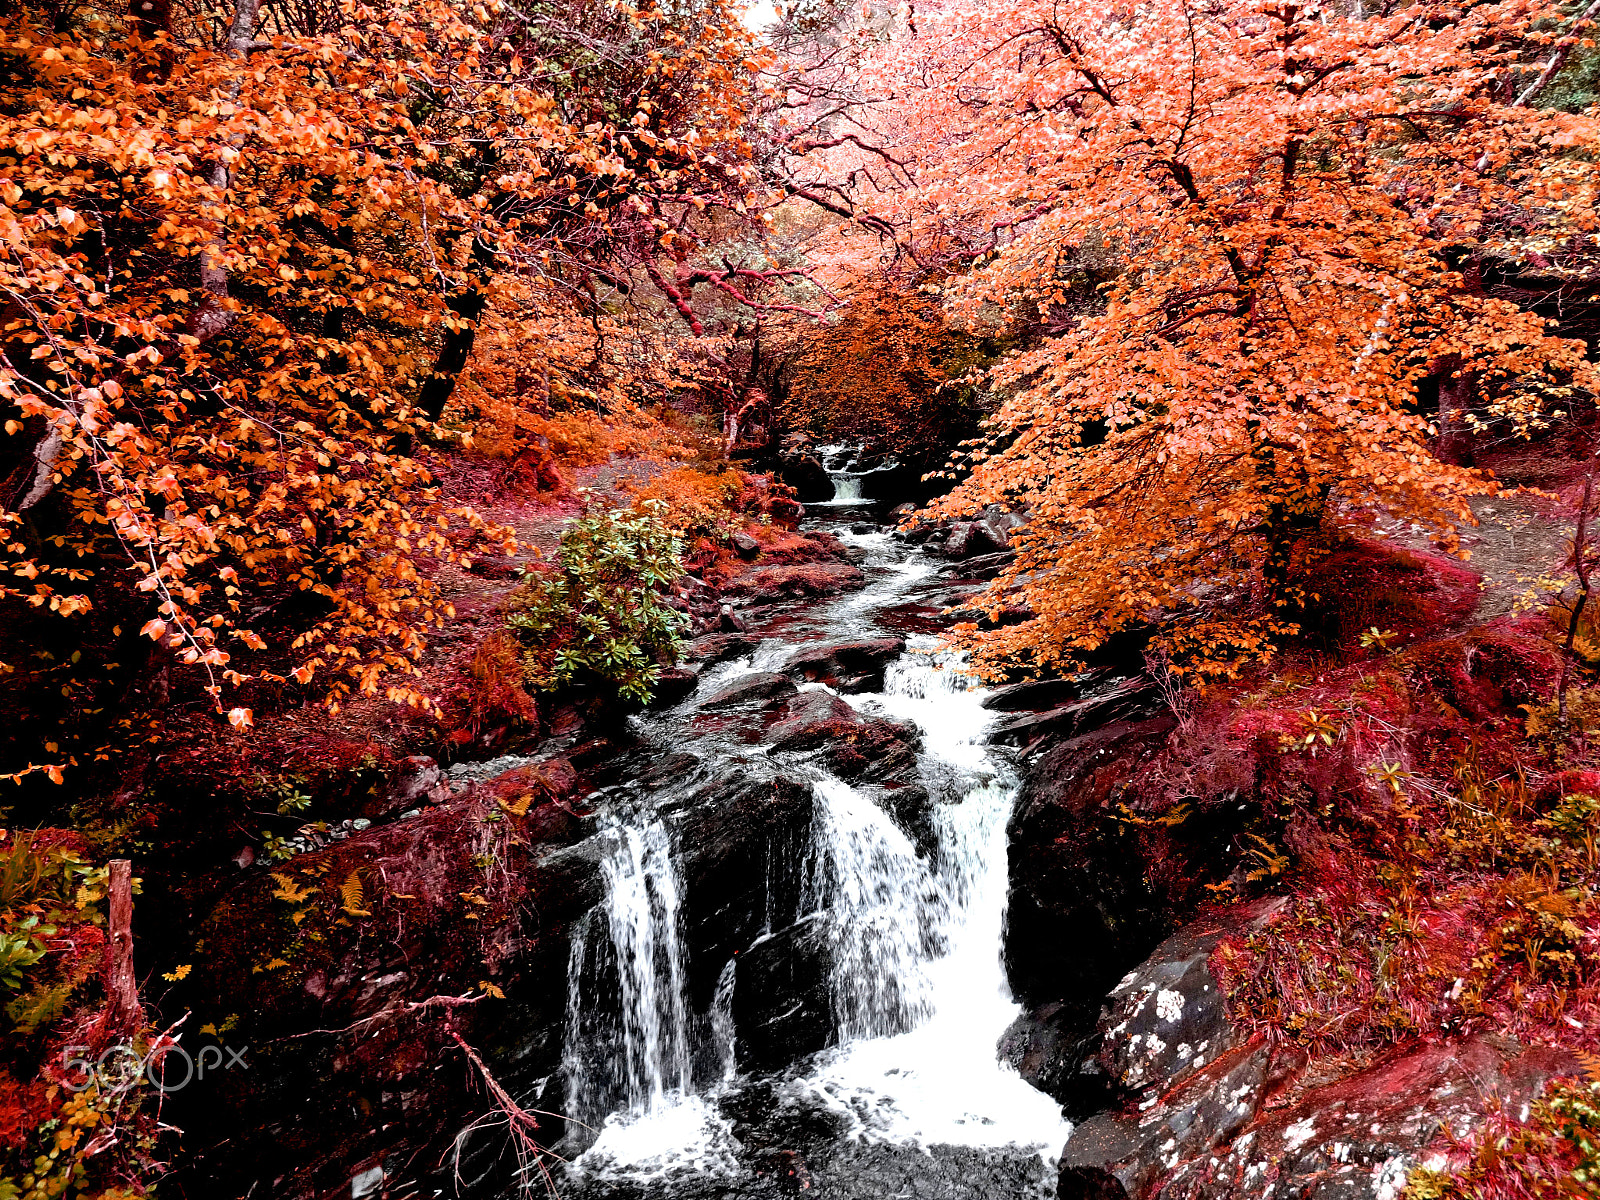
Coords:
pixel 467 303
pixel 126 1015
pixel 1457 390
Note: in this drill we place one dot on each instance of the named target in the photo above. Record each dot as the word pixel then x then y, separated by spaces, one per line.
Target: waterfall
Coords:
pixel 878 897
pixel 642 914
pixel 920 988
pixel 845 468
pixel 846 486
pixel 636 1064
pixel 915 984
pixel 640 1055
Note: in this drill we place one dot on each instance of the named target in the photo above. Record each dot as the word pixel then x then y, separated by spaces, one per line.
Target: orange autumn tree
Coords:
pixel 1289 194
pixel 245 254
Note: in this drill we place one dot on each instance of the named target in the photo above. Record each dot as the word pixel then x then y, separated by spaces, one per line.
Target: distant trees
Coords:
pixel 883 370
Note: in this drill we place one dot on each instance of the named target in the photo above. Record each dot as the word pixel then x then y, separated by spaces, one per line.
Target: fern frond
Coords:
pixel 353 894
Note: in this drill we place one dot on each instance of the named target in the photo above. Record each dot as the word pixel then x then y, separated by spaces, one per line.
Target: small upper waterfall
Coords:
pixel 848 469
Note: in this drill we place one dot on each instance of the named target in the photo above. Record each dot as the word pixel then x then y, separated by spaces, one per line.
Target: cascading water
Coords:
pixel 636 1064
pixel 642 916
pixel 845 469
pixel 916 985
pixel 932 1079
pixel 865 876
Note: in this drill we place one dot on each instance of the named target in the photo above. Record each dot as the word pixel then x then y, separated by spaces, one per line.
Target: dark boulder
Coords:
pixel 780 997
pixel 984 566
pixel 717 648
pixel 1130 700
pixel 856 666
pixel 912 810
pixel 1034 695
pixel 875 751
pixel 794 581
pixel 970 539
pixel 1049 1048
pixel 1167 1017
pixel 1081 910
pixel 744 545
pixel 807 476
pixel 673 684
pixel 738 835
pixel 761 688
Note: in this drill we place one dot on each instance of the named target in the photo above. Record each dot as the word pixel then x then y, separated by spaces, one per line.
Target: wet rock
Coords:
pixel 1136 698
pixel 856 666
pixel 795 581
pixel 875 751
pixel 1082 911
pixel 739 835
pixel 731 622
pixel 859 527
pixel 744 545
pixel 984 566
pixel 1048 1047
pixel 810 719
pixel 1034 695
pixel 673 684
pixel 901 511
pixel 970 539
pixel 780 997
pixel 807 476
pixel 719 648
pixel 912 810
pixel 761 688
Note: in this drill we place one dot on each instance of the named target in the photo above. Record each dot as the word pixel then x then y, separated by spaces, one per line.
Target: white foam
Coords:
pixel 682 1134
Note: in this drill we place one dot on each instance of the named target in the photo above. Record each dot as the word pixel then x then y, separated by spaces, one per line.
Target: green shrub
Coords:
pixel 601 616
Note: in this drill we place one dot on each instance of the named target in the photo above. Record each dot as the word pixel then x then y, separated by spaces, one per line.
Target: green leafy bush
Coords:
pixel 601 616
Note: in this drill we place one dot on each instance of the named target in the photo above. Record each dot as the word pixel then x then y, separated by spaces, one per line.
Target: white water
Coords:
pixel 934 1079
pixel 664 1126
pixel 642 915
pixel 847 483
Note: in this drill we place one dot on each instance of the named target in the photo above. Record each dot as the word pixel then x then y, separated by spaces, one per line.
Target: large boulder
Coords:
pixel 1129 700
pixel 853 666
pixel 1082 911
pixel 1194 1123
pixel 717 648
pixel 811 719
pixel 763 687
pixel 807 476
pixel 1034 695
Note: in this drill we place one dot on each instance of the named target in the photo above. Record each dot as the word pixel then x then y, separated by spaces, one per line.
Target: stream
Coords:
pixel 902 920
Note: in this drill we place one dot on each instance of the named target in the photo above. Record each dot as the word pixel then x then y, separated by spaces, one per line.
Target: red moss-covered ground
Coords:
pixel 1434 830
